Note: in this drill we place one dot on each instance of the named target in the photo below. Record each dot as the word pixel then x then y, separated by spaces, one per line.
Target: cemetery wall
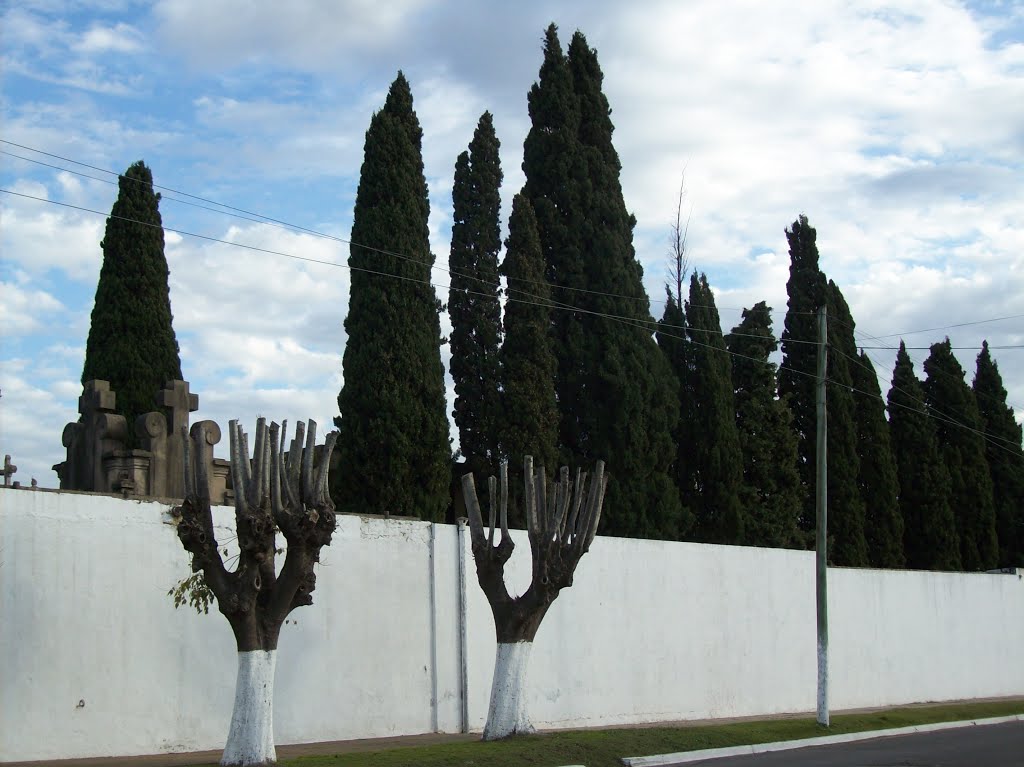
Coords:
pixel 96 661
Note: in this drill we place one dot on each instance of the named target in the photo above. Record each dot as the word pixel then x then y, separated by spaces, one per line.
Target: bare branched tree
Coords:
pixel 273 491
pixel 679 260
pixel 562 519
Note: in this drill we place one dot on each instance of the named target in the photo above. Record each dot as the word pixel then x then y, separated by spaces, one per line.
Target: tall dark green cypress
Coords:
pixel 1005 458
pixel 771 495
pixel 473 303
pixel 929 532
pixel 846 507
pixel 131 340
pixel 806 290
pixel 529 414
pixel 879 485
pixel 677 348
pixel 951 403
pixel 394 447
pixel 717 467
pixel 615 390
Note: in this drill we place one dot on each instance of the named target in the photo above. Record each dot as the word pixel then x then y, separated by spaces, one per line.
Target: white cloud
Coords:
pixel 120 38
pixel 20 309
pixel 310 36
pixel 39 237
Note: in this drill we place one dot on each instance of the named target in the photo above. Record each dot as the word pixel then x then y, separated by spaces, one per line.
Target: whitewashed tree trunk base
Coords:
pixel 251 738
pixel 507 713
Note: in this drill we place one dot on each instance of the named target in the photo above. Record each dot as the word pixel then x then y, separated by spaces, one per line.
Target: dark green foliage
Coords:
pixel 929 532
pixel 713 475
pixel 806 290
pixel 529 421
pixel 676 347
pixel 615 390
pixel 394 445
pixel 131 339
pixel 473 303
pixel 846 504
pixel 771 495
pixel 879 485
pixel 952 406
pixel 1005 458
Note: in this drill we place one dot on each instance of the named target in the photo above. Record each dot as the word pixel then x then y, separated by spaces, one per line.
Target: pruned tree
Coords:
pixel 273 491
pixel 562 519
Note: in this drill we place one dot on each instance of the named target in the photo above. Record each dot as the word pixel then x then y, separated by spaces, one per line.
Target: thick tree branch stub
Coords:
pixel 273 491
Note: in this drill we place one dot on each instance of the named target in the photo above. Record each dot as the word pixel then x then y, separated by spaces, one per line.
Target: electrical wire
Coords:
pixel 648 324
pixel 247 215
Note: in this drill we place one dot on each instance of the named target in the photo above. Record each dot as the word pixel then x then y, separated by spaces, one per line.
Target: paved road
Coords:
pixel 993 745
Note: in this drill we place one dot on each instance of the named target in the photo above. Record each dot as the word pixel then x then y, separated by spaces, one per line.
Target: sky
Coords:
pixel 896 127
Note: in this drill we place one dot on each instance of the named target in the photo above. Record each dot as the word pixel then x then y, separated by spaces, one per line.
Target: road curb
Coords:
pixel 683 757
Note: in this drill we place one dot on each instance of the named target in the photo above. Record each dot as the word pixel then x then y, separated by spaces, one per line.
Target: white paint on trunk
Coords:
pixel 507 713
pixel 823 717
pixel 251 738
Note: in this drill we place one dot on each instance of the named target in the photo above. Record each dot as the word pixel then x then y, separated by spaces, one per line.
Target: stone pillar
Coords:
pixel 206 434
pixel 177 402
pixel 99 431
pixel 151 429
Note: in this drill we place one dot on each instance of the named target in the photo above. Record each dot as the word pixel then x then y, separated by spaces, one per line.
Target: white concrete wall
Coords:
pixel 650 631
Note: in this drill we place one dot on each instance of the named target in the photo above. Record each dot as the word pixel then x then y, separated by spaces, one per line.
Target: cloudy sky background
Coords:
pixel 896 127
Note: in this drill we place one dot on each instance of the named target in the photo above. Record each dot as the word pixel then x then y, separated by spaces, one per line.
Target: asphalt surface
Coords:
pixel 994 745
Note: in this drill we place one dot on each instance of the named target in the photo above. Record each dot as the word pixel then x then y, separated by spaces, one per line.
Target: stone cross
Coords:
pixel 177 402
pixel 9 469
pixel 96 398
pixel 100 430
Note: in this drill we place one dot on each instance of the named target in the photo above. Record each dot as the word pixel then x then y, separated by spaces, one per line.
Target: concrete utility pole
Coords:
pixel 821 528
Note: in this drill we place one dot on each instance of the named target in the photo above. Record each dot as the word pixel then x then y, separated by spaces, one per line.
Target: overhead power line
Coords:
pixel 648 325
pixel 247 215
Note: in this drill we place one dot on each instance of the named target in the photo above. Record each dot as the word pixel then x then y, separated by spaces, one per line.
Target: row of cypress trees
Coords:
pixel 707 439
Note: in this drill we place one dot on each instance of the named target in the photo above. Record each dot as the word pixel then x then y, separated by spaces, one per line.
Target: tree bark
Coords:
pixel 251 737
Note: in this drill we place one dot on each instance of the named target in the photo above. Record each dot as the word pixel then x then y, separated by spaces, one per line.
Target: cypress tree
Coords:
pixel 951 403
pixel 131 339
pixel 879 485
pixel 847 489
pixel 529 420
pixel 806 290
pixel 473 303
pixel 1005 458
pixel 716 470
pixel 929 532
pixel 615 390
pixel 677 348
pixel 771 492
pixel 394 445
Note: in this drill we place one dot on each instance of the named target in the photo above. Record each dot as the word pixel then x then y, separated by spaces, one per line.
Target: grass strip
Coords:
pixel 605 748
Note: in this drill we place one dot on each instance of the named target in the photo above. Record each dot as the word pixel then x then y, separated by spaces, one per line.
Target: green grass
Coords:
pixel 605 748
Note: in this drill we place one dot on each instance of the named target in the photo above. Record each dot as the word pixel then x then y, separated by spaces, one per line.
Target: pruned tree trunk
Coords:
pixel 273 491
pixel 507 714
pixel 251 737
pixel 562 521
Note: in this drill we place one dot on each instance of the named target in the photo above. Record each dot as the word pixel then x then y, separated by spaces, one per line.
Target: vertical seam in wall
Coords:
pixel 433 628
pixel 463 660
